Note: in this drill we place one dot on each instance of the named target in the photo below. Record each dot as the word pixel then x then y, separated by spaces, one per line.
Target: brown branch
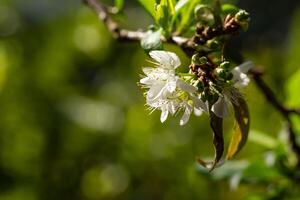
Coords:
pixel 188 46
pixel 104 15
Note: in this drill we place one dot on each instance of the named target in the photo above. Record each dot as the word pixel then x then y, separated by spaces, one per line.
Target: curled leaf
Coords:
pixel 241 129
pixel 216 124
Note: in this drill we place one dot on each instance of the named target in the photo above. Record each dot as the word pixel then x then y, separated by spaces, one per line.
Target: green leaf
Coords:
pixel 119 4
pixel 181 4
pixel 149 5
pixel 216 124
pixel 171 6
pixel 229 9
pixel 188 15
pixel 241 130
pixel 152 41
pixel 164 14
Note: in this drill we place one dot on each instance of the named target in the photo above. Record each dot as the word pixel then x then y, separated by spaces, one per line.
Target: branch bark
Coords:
pixel 188 47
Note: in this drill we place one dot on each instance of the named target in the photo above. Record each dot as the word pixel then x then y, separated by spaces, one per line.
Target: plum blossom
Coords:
pixel 240 80
pixel 166 91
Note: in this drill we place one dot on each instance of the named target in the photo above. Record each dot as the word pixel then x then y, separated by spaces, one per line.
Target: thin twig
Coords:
pixel 128 35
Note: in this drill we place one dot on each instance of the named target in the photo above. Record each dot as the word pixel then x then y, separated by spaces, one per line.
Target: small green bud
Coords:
pixel 203 60
pixel 225 65
pixel 204 14
pixel 213 44
pixel 197 60
pixel 242 16
pixel 222 73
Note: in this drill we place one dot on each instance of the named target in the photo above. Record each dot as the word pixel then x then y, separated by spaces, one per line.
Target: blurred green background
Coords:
pixel 73 124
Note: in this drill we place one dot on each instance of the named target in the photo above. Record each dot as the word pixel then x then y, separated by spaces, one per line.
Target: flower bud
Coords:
pixel 213 44
pixel 197 60
pixel 242 16
pixel 225 65
pixel 222 73
pixel 204 14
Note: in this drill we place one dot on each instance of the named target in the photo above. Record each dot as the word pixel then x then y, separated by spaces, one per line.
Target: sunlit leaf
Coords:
pixel 149 5
pixel 119 4
pixel 165 11
pixel 229 9
pixel 189 13
pixel 180 4
pixel 241 130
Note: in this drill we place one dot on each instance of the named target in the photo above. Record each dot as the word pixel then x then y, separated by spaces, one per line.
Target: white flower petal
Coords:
pixel 198 112
pixel 166 59
pixel 171 86
pixel 164 114
pixel 220 108
pixel 186 87
pixel 147 81
pixel 155 91
pixel 199 104
pixel 246 66
pixel 148 70
pixel 240 78
pixel 186 115
pixel 243 81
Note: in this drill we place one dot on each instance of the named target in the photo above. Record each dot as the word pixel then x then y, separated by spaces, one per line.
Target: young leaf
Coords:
pixel 188 14
pixel 241 130
pixel 149 5
pixel 180 4
pixel 164 12
pixel 171 6
pixel 229 9
pixel 119 4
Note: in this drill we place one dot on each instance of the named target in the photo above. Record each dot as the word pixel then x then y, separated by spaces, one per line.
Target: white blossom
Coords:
pixel 240 80
pixel 166 91
pixel 240 77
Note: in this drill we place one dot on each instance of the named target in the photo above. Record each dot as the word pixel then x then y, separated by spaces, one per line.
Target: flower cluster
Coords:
pixel 203 89
pixel 167 91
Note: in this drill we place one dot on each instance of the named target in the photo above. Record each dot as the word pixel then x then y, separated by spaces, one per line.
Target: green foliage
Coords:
pixel 149 6
pixel 229 9
pixel 119 4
